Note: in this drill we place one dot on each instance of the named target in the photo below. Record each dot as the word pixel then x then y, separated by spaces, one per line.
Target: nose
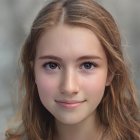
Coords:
pixel 69 84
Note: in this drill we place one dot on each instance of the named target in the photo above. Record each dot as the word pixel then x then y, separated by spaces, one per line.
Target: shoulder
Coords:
pixel 2 136
pixel 15 138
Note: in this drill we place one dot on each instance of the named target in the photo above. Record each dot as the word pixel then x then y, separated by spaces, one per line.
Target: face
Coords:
pixel 70 73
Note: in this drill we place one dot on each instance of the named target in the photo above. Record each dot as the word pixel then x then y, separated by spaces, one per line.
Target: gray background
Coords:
pixel 16 17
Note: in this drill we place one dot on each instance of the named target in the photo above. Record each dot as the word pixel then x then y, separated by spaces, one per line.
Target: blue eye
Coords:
pixel 88 65
pixel 51 66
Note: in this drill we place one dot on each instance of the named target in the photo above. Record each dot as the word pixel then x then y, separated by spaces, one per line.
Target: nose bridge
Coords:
pixel 69 82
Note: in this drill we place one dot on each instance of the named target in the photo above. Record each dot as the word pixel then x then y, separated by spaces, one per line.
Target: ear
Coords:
pixel 109 79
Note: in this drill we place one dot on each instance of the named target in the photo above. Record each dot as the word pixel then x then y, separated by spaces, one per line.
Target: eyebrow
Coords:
pixel 79 59
pixel 89 57
pixel 51 57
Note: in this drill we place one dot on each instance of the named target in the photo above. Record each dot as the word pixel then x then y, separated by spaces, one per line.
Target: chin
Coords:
pixel 70 120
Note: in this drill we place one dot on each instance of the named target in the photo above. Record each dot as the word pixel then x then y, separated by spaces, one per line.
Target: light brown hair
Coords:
pixel 117 111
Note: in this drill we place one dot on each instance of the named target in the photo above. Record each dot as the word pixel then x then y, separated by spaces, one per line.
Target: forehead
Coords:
pixel 67 40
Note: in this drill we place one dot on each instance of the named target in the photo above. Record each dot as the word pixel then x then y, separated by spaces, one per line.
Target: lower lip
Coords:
pixel 70 106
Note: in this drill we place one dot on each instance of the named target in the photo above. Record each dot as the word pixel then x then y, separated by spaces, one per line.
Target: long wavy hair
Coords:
pixel 117 111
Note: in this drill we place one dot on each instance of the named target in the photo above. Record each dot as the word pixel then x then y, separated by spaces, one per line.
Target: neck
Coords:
pixel 86 130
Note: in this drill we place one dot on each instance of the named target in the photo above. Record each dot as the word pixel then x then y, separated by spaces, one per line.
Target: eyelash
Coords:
pixel 91 65
pixel 48 64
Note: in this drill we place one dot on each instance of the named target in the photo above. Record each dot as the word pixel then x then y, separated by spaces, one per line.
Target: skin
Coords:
pixel 71 74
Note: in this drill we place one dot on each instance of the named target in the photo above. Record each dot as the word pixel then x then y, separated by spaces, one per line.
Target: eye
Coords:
pixel 88 65
pixel 51 66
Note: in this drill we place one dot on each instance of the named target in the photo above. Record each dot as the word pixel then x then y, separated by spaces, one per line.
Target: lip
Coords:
pixel 69 103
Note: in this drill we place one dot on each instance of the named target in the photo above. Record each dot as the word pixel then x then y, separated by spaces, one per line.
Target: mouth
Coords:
pixel 69 103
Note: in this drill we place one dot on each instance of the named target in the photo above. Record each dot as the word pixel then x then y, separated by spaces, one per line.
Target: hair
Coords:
pixel 118 110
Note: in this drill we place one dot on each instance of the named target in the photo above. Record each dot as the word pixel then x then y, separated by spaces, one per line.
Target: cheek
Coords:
pixel 94 86
pixel 46 87
pixel 94 91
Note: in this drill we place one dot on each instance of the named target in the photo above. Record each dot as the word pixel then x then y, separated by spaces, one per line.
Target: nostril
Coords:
pixel 66 91
pixel 69 88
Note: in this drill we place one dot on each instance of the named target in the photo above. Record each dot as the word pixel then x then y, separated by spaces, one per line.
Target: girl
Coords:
pixel 76 81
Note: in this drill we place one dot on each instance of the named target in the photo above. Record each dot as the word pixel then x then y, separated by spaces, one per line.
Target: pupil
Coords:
pixel 53 66
pixel 87 65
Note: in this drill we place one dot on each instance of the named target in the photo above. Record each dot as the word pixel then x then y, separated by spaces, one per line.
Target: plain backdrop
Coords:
pixel 16 17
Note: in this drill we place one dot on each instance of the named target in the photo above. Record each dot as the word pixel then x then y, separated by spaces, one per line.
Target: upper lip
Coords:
pixel 70 101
